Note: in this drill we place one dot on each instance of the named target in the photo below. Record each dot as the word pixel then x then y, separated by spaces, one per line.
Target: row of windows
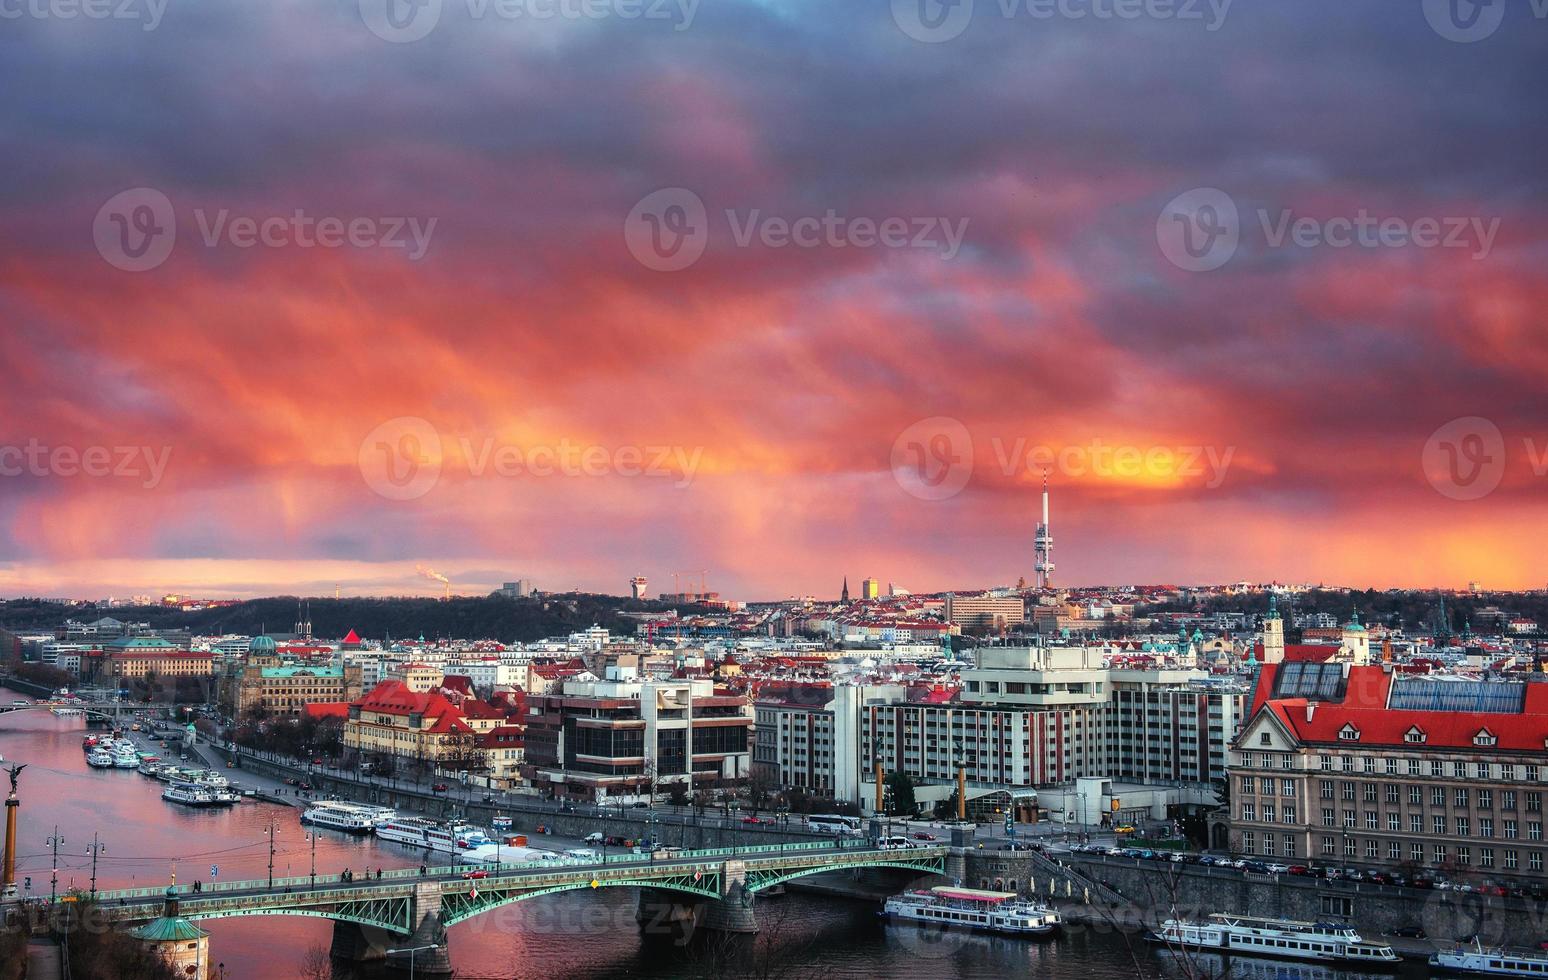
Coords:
pixel 1390 766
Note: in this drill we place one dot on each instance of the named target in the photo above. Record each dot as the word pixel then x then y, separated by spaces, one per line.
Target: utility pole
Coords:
pixel 271 833
pixel 312 836
pixel 96 848
pixel 53 883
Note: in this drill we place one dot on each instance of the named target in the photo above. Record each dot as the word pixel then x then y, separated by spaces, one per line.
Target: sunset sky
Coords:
pixel 283 415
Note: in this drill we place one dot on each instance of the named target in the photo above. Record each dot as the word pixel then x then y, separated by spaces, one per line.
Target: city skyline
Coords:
pixel 1263 301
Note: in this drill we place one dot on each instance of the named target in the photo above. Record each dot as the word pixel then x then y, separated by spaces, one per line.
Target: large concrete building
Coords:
pixel 985 611
pixel 1027 717
pixel 1350 764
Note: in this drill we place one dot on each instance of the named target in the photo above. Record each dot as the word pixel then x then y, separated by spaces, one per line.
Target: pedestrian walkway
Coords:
pixel 43 960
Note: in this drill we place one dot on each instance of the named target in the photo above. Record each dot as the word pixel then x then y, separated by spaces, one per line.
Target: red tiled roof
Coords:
pixel 352 637
pixel 1365 707
pixel 328 709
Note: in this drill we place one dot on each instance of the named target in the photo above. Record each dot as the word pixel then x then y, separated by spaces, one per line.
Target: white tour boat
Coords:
pixel 1499 962
pixel 972 908
pixel 98 759
pixel 1279 938
pixel 188 794
pixel 431 834
pixel 348 817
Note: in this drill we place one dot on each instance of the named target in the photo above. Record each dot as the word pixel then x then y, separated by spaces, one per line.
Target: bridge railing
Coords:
pixel 505 869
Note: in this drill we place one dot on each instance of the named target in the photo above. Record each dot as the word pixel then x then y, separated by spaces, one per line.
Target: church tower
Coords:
pixel 844 596
pixel 1273 634
pixel 1356 641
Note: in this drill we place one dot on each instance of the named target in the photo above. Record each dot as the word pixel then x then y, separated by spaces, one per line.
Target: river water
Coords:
pixel 576 934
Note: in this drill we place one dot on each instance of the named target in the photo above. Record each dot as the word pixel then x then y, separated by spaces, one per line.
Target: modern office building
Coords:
pixel 985 611
pixel 627 735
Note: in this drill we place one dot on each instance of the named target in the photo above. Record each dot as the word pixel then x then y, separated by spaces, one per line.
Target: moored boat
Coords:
pixel 1479 960
pixel 972 908
pixel 188 794
pixel 348 817
pixel 1276 938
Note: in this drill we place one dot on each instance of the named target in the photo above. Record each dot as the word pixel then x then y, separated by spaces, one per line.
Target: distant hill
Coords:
pixel 506 620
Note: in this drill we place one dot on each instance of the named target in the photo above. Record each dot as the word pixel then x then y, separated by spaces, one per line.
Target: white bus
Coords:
pixel 832 823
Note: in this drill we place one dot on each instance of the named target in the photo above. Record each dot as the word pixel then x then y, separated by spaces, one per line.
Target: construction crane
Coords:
pixel 703 574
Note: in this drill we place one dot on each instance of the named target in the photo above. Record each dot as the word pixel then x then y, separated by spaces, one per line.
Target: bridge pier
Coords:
pixel 355 943
pixel 431 956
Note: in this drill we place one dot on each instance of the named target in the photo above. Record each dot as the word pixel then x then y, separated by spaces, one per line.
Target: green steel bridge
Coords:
pixel 400 902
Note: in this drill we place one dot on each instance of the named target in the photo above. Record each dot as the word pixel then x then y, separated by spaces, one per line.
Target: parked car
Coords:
pixel 1278 869
pixel 595 837
pixel 1258 867
pixel 1409 932
pixel 438 788
pixel 1300 869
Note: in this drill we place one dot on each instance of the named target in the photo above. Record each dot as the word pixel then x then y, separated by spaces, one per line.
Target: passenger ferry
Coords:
pixel 431 834
pixel 999 912
pixel 1280 938
pixel 99 759
pixel 1499 962
pixel 348 817
pixel 189 795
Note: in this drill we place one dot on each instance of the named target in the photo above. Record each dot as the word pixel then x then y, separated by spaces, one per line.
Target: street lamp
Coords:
pixel 95 849
pixel 312 837
pixel 53 881
pixel 271 833
pixel 411 950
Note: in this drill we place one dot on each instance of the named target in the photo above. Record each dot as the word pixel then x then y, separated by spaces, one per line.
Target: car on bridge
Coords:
pixel 476 873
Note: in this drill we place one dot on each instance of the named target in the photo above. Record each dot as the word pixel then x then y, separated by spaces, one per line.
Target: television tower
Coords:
pixel 1043 563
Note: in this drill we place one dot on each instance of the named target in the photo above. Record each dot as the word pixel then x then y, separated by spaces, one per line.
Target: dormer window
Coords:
pixel 1485 737
pixel 1415 736
pixel 1266 738
pixel 1349 733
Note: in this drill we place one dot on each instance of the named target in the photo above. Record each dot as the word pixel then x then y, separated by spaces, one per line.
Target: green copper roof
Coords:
pixel 303 672
pixel 140 643
pixel 165 930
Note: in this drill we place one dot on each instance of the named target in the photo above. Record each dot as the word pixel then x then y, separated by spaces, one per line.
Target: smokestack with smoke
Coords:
pixel 436 576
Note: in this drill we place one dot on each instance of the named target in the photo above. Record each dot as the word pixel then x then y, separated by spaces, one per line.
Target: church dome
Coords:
pixel 262 644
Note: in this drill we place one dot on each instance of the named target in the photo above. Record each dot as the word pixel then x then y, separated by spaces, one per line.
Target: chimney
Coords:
pixel 1311 709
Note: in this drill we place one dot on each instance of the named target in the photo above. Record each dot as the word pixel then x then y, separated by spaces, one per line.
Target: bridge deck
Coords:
pixel 388 900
